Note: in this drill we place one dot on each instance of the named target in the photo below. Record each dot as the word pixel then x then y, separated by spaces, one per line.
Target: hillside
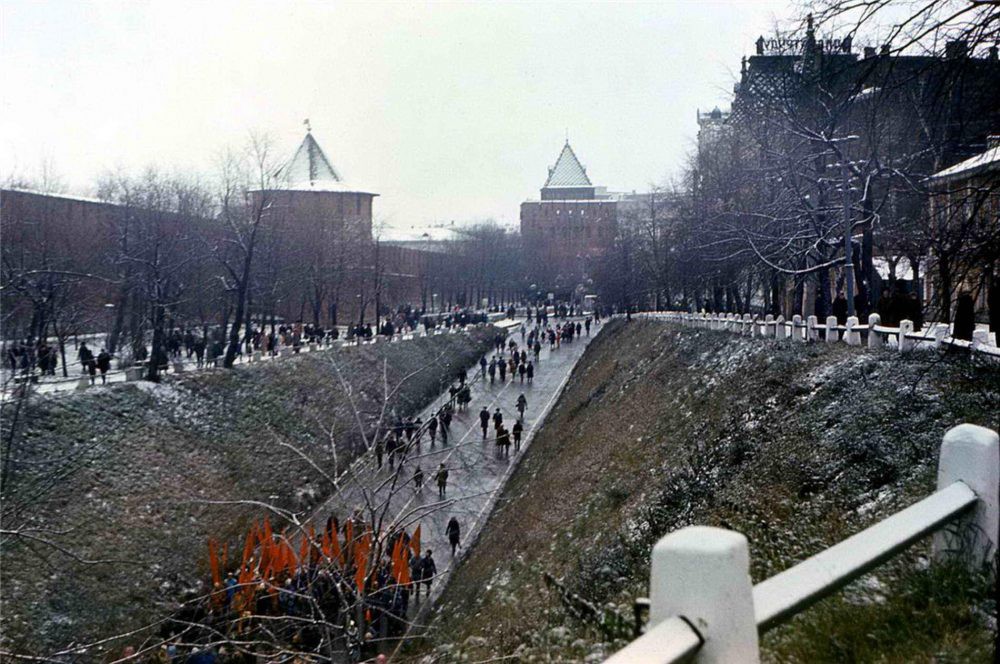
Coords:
pixel 119 474
pixel 797 446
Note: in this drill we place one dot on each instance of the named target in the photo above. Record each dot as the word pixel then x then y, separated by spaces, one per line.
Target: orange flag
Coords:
pixel 268 533
pixel 396 559
pixel 213 562
pixel 415 541
pixel 248 547
pixel 404 564
pixel 325 545
pixel 359 575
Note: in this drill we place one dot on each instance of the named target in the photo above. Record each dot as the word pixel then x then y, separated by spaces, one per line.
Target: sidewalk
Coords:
pixel 60 385
pixel 476 475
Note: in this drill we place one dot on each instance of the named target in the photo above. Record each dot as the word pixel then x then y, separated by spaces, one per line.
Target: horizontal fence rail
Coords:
pixel 703 607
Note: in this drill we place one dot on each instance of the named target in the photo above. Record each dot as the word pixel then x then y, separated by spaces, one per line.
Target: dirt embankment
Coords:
pixel 126 474
pixel 797 446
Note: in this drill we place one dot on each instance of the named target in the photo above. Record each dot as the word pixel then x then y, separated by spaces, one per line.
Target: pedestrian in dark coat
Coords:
pixel 428 570
pixel 839 308
pixel 432 428
pixel 441 476
pixel 517 430
pixel 453 532
pixel 965 317
pixel 484 420
pixel 104 365
pixel 87 361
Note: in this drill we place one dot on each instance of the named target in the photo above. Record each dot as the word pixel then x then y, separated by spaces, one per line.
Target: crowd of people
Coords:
pixel 349 587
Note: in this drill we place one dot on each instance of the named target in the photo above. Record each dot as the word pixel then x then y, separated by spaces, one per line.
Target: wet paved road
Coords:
pixel 476 474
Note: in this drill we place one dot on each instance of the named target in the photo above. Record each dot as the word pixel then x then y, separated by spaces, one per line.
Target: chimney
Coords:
pixel 958 48
pixel 993 142
pixel 869 52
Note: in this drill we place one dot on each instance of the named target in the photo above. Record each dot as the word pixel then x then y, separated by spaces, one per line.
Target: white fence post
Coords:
pixel 797 328
pixel 874 338
pixel 831 329
pixel 971 454
pixel 852 337
pixel 905 327
pixel 812 334
pixel 779 327
pixel 703 575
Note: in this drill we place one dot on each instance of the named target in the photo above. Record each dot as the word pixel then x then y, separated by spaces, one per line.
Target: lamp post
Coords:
pixel 109 308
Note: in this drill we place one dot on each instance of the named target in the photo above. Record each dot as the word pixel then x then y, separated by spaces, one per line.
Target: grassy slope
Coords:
pixel 130 459
pixel 795 446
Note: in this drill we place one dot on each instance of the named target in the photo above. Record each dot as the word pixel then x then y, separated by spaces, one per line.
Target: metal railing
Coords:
pixel 703 607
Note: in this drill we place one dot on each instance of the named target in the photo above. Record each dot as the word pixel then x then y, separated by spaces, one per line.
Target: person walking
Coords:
pixel 493 370
pixel 517 430
pixel 484 420
pixel 497 419
pixel 522 403
pixel 586 325
pixel 503 370
pixel 522 370
pixel 432 428
pixel 441 477
pixel 428 570
pixel 454 533
pixel 86 357
pixel 482 366
pixel 530 372
pixel 418 479
pixel 391 444
pixel 503 442
pixel 380 451
pixel 965 317
pixel 104 365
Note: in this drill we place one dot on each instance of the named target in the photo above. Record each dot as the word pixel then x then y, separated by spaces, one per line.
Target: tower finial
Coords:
pixel 567 135
pixel 308 126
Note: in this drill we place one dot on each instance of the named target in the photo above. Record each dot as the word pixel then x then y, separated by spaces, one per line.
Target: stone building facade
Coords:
pixel 568 228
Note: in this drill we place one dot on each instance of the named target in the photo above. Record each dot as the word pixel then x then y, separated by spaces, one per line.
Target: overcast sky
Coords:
pixel 449 111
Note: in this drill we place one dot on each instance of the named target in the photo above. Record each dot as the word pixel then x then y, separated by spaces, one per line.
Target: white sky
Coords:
pixel 450 111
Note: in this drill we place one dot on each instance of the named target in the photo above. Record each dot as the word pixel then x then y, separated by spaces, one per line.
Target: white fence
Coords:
pixel 703 607
pixel 874 334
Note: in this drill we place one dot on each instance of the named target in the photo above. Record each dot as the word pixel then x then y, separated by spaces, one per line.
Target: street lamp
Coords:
pixel 109 308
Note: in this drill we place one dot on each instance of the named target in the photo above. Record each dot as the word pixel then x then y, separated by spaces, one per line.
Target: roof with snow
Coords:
pixel 568 171
pixel 310 170
pixel 981 163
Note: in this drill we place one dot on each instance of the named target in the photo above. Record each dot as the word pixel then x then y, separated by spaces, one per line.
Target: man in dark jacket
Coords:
pixel 104 364
pixel 484 420
pixel 965 317
pixel 840 308
pixel 454 533
pixel 428 570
